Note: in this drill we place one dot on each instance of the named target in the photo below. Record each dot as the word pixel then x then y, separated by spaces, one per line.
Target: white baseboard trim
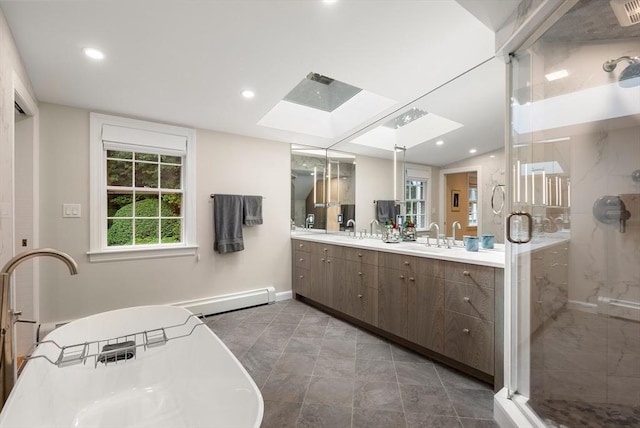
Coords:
pixel 284 295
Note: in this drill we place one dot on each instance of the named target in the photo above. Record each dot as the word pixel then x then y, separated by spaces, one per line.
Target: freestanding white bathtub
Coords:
pixel 191 381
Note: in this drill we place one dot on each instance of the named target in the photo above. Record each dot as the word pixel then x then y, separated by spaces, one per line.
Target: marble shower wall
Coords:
pixel 603 155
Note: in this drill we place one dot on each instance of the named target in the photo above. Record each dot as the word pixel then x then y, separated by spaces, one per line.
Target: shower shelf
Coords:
pixel 114 350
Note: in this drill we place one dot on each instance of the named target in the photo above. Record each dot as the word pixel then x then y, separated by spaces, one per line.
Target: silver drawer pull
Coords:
pixel 466 299
pixel 466 273
pixel 360 296
pixel 401 276
pixel 406 263
pixel 301 260
pixel 411 278
pixel 328 261
pixel 322 260
pixel 301 276
pixel 359 254
pixel 466 331
pixel 325 250
pixel 360 273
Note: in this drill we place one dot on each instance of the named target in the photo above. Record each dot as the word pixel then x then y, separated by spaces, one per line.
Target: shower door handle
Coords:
pixel 529 227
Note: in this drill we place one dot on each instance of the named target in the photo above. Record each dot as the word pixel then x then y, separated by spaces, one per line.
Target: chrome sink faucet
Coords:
pixel 433 223
pixel 371 225
pixel 352 222
pixel 453 232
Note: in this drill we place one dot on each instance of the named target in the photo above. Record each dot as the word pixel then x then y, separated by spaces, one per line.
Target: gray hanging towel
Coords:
pixel 252 210
pixel 386 210
pixel 227 223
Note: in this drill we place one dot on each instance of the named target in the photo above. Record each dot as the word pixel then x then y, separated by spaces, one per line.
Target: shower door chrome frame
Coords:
pixel 510 405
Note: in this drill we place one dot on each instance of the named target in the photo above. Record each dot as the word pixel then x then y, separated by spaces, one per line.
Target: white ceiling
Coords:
pixel 186 62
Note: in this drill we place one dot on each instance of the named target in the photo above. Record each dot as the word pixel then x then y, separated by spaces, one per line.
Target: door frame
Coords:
pixel 22 96
pixel 442 194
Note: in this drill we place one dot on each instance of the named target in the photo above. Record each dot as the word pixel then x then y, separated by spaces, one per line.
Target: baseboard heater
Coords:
pixel 206 306
pixel 230 302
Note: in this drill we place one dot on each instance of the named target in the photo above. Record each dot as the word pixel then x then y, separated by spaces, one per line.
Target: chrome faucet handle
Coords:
pixel 428 243
pixel 450 241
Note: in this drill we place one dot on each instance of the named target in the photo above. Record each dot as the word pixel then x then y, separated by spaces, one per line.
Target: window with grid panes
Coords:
pixel 142 189
pixel 416 202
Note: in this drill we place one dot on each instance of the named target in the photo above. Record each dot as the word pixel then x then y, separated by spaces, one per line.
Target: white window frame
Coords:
pixel 420 173
pixel 98 249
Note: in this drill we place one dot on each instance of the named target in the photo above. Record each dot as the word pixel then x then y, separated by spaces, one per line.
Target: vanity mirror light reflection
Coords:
pixel 322 189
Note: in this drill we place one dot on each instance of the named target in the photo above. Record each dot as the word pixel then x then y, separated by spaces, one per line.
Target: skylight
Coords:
pixel 408 129
pixel 324 107
pixel 321 92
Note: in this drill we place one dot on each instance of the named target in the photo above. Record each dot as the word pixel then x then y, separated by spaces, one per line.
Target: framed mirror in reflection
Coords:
pixel 322 189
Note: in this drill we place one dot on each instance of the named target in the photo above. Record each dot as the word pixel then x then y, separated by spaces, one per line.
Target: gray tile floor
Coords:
pixel 317 371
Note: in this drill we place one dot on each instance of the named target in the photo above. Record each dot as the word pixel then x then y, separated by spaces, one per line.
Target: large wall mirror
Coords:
pixel 452 139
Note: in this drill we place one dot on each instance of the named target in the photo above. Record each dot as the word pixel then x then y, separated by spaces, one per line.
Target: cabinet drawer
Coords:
pixel 302 282
pixel 469 299
pixel 362 303
pixel 362 256
pixel 306 246
pixel 302 259
pixel 334 251
pixel 470 274
pixel 362 274
pixel 399 262
pixel 470 341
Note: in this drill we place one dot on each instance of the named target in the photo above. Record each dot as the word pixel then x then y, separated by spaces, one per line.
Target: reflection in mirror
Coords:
pixel 307 187
pixel 341 191
pixel 322 189
pixel 458 126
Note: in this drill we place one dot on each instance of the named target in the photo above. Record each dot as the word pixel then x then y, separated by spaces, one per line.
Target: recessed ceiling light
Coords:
pixel 93 53
pixel 439 143
pixel 329 1
pixel 492 156
pixel 247 93
pixel 472 151
pixel 556 75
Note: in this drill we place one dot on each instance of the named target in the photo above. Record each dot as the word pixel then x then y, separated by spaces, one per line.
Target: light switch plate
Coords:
pixel 71 210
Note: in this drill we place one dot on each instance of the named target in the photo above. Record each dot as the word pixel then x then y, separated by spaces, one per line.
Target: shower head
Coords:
pixel 630 72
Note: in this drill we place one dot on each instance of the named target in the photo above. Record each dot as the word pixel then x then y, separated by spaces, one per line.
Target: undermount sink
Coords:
pixel 432 249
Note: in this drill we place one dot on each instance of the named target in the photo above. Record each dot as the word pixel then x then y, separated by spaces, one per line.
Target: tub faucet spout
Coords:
pixel 9 316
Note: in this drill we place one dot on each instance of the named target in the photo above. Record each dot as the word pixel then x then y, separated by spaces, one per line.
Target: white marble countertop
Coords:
pixel 493 258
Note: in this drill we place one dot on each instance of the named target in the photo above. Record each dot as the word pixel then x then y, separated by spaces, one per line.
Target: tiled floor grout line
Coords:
pixel 395 369
pixel 446 391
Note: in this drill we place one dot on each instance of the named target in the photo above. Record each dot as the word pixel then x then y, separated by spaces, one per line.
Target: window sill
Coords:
pixel 140 253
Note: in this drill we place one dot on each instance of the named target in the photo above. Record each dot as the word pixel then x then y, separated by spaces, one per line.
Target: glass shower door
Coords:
pixel 574 160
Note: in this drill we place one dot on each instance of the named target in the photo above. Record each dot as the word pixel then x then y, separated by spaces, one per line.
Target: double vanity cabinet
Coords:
pixel 448 310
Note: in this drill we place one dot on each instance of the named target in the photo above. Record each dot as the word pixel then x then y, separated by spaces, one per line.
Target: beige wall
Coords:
pixel 225 164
